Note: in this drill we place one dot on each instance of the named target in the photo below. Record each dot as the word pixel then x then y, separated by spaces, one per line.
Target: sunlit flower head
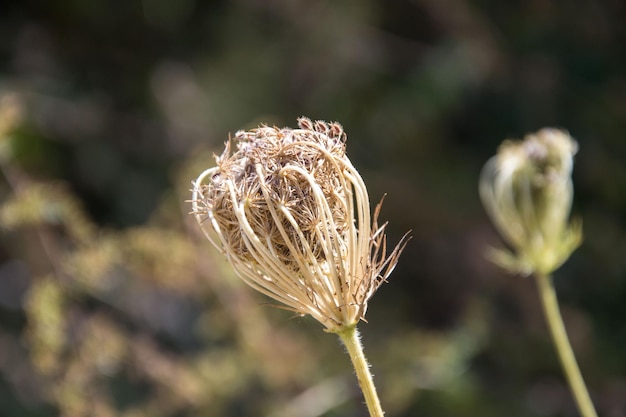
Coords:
pixel 527 191
pixel 292 216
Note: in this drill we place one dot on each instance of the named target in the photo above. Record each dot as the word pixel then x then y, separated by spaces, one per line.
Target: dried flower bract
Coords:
pixel 292 216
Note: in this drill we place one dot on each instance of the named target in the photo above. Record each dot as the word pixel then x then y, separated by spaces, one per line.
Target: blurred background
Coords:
pixel 112 304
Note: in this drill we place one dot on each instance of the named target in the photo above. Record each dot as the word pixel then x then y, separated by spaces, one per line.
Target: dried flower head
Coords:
pixel 527 191
pixel 292 216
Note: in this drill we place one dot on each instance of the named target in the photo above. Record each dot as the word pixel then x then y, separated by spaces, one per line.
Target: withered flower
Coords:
pixel 527 191
pixel 292 216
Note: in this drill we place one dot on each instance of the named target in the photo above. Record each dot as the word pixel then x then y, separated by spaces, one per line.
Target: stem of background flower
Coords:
pixel 563 347
pixel 351 340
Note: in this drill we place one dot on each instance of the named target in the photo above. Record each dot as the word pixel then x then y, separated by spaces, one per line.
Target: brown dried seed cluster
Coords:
pixel 292 215
pixel 256 170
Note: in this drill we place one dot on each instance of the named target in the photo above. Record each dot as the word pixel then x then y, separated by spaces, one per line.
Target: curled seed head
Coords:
pixel 527 191
pixel 292 215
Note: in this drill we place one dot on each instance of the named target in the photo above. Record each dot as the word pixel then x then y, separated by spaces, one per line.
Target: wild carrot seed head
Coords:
pixel 527 191
pixel 292 215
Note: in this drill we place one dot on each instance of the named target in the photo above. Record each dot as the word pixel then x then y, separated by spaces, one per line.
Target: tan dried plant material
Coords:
pixel 292 215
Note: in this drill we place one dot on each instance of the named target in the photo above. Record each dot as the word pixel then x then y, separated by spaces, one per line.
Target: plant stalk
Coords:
pixel 563 346
pixel 352 342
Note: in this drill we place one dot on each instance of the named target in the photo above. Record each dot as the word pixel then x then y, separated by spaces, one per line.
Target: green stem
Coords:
pixel 352 342
pixel 563 347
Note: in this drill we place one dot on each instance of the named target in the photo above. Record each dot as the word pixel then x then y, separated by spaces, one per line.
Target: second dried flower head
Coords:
pixel 527 191
pixel 292 216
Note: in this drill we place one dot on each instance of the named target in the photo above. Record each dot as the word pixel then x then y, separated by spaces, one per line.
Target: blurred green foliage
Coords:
pixel 112 304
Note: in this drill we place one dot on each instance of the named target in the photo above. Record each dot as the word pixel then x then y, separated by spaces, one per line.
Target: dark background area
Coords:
pixel 112 304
